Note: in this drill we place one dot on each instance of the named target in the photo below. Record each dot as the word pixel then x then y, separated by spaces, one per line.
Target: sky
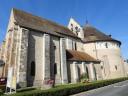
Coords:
pixel 109 16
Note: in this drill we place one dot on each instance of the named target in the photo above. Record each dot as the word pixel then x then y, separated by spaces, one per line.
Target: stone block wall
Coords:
pixel 55 59
pixel 23 48
pixel 35 55
pixel 64 76
pixel 110 57
pixel 98 69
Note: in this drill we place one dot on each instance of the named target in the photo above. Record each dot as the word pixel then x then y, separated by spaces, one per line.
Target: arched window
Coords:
pixel 72 25
pixel 32 68
pixel 101 67
pixel 87 72
pixel 75 46
pixel 116 67
pixel 106 44
pixel 55 68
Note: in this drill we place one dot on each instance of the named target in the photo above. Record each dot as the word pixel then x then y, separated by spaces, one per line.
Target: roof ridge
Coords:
pixel 14 9
pixel 29 20
pixel 99 35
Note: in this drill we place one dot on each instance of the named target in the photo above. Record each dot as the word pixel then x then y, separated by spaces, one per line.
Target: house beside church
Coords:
pixel 39 51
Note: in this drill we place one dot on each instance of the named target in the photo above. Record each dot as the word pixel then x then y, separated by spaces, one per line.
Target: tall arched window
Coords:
pixel 32 68
pixel 116 67
pixel 75 46
pixel 55 69
pixel 87 72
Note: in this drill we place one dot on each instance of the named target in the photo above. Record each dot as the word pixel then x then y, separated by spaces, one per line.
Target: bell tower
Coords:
pixel 76 28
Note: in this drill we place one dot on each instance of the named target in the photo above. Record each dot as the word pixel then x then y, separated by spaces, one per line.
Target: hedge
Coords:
pixel 68 89
pixel 2 89
pixel 26 89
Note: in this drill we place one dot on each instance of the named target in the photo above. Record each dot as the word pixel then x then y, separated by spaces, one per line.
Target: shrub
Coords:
pixel 3 87
pixel 84 78
pixel 26 89
pixel 1 92
pixel 69 89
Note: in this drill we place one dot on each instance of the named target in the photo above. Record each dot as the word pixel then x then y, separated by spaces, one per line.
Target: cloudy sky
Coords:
pixel 109 16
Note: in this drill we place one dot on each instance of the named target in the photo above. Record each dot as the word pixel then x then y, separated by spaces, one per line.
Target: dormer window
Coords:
pixel 32 68
pixel 72 25
pixel 101 67
pixel 55 68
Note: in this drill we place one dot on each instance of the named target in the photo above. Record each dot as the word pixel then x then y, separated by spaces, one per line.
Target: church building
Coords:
pixel 40 51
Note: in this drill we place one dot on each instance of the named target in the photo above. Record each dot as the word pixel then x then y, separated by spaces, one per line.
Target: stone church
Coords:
pixel 40 51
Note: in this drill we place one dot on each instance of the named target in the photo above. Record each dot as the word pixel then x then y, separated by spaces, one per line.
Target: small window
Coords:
pixel 118 45
pixel 75 46
pixel 101 67
pixel 72 25
pixel 116 67
pixel 127 60
pixel 55 68
pixel 32 68
pixel 76 28
pixel 106 44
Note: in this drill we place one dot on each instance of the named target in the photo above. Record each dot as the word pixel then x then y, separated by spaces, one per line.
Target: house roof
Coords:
pixel 92 34
pixel 73 55
pixel 40 24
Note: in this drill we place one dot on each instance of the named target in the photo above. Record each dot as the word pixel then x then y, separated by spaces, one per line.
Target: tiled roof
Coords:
pixel 79 56
pixel 92 34
pixel 40 24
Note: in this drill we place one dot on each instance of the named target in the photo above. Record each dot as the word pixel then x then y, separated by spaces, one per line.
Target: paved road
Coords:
pixel 118 89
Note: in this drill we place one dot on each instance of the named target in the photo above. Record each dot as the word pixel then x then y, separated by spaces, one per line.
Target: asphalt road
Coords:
pixel 118 89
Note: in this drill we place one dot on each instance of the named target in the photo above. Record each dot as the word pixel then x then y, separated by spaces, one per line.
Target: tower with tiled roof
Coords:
pixel 104 48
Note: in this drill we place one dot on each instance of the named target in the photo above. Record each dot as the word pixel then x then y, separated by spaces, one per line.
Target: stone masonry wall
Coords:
pixel 23 58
